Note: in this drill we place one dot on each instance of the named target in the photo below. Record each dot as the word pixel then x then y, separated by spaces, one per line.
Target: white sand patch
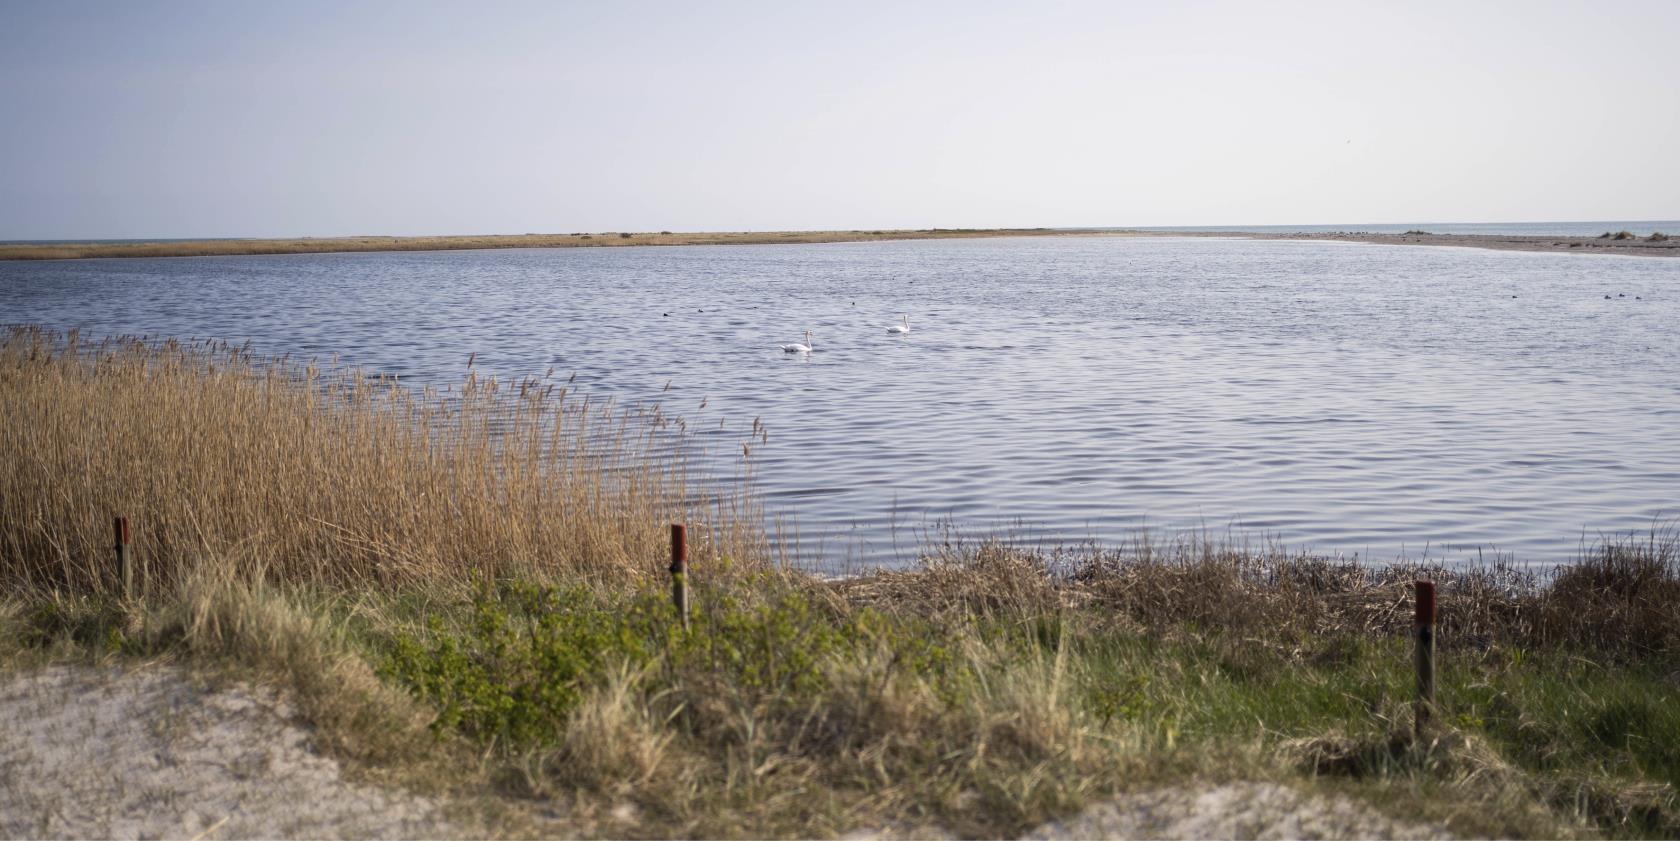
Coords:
pixel 102 753
pixel 1242 810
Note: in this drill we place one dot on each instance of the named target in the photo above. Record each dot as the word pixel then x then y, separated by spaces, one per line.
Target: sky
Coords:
pixel 215 119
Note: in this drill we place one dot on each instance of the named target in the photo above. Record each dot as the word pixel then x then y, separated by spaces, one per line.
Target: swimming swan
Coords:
pixel 900 328
pixel 796 348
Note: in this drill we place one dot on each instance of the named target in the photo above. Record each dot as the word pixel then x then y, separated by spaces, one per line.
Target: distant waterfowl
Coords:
pixel 900 328
pixel 798 348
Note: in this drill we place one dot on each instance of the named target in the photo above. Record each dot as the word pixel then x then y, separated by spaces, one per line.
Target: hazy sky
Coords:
pixel 139 119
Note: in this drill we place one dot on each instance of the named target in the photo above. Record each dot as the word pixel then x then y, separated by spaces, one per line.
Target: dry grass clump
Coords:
pixel 328 476
pixel 1467 762
pixel 1620 599
pixel 614 740
pixel 988 580
pixel 1465 758
pixel 1621 595
pixel 1011 747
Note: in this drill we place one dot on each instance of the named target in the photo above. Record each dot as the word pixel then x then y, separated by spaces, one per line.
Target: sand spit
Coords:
pixel 323 245
pixel 103 753
pixel 1639 246
pixel 1644 246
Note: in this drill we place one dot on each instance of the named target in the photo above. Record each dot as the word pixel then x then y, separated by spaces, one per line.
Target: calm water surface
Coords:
pixel 1385 401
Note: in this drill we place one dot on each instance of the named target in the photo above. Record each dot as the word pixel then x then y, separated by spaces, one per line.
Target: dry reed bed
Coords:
pixel 327 476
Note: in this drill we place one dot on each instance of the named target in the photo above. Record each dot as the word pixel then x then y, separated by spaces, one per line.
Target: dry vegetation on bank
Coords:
pixel 465 594
pixel 317 245
pixel 326 477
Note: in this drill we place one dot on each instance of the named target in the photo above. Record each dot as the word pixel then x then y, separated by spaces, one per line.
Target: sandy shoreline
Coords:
pixel 611 239
pixel 1640 246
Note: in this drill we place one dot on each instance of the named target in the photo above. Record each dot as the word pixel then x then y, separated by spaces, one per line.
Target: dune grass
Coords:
pixel 317 245
pixel 465 591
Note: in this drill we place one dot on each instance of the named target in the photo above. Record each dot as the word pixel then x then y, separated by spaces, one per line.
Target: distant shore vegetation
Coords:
pixel 1622 242
pixel 318 245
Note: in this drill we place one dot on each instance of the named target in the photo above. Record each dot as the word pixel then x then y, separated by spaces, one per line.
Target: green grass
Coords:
pixel 985 719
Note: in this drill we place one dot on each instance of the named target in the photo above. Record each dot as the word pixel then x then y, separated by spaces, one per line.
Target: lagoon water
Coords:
pixel 1372 400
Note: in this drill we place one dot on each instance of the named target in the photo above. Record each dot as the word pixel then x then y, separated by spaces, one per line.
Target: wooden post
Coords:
pixel 125 561
pixel 679 571
pixel 1424 626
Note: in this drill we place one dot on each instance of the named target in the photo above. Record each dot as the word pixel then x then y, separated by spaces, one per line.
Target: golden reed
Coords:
pixel 330 476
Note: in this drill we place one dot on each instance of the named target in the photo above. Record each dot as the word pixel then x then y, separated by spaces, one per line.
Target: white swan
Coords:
pixel 797 348
pixel 900 328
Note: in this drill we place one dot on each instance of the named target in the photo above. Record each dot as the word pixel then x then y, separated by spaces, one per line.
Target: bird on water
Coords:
pixel 798 348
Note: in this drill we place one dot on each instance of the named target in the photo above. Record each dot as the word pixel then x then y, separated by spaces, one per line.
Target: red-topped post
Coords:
pixel 679 570
pixel 1424 626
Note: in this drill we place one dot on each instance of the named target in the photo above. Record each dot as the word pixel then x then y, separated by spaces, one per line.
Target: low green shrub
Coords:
pixel 518 665
pixel 519 657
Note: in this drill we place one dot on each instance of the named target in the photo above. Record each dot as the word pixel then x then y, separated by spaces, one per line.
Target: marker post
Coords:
pixel 1424 628
pixel 679 571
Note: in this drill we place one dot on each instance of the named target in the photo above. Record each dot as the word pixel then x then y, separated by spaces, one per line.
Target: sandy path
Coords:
pixel 90 753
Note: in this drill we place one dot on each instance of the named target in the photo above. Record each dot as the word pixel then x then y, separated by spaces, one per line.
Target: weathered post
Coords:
pixel 679 571
pixel 125 560
pixel 1424 626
